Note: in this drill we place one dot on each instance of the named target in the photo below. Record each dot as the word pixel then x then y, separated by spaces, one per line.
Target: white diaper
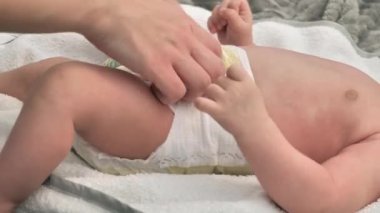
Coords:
pixel 196 143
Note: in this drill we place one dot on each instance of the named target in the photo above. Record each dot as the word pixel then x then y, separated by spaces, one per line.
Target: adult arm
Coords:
pixel 154 38
pixel 45 16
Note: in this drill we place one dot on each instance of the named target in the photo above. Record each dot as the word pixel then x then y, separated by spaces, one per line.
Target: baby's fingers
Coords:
pixel 232 17
pixel 216 22
pixel 224 82
pixel 236 72
pixel 211 26
pixel 214 92
pixel 211 21
pixel 232 4
pixel 207 105
pixel 245 12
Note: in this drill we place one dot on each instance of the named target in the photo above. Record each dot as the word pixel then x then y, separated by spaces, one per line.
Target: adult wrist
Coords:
pixel 95 14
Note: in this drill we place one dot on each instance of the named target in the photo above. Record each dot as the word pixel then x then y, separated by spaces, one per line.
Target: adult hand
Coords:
pixel 159 41
pixel 154 38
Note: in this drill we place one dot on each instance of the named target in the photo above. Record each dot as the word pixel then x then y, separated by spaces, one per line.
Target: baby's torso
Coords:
pixel 320 106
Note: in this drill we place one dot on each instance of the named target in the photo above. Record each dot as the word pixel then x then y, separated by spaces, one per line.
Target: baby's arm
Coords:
pixel 232 21
pixel 344 183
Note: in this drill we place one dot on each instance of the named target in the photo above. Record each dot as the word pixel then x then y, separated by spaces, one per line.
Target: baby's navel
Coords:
pixel 351 95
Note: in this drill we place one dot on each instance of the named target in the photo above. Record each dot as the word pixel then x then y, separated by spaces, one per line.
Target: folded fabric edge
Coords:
pixel 331 24
pixel 91 195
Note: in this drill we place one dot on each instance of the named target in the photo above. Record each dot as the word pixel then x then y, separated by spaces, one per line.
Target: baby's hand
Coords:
pixel 234 102
pixel 232 21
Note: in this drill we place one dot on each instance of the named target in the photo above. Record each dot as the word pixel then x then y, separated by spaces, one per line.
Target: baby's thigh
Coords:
pixel 115 111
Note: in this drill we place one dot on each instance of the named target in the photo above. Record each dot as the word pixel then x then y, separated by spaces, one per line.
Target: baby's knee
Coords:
pixel 55 60
pixel 60 83
pixel 46 64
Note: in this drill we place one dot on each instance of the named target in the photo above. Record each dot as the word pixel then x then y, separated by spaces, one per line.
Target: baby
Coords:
pixel 308 127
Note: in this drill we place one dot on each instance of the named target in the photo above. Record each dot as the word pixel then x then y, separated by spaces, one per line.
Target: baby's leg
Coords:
pixel 112 110
pixel 18 82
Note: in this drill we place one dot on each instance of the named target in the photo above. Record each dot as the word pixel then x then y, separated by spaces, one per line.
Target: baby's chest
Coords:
pixel 318 132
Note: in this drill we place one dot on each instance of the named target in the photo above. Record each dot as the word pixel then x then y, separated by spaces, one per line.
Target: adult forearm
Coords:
pixel 43 16
pixel 292 179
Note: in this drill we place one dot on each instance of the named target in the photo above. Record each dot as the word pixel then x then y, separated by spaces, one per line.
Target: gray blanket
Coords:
pixel 361 18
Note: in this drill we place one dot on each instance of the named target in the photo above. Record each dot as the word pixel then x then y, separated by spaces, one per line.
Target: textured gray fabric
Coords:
pixel 89 194
pixel 361 18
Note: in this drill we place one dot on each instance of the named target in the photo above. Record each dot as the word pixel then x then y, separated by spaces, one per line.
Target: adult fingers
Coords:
pixel 212 64
pixel 206 39
pixel 168 87
pixel 193 76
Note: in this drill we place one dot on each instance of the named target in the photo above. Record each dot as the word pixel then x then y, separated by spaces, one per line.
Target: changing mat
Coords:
pixel 76 187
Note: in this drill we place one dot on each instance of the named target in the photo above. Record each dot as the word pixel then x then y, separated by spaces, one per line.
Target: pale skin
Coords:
pixel 154 38
pixel 310 133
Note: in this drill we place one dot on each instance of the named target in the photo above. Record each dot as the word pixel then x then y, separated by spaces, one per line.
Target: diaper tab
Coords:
pixel 229 57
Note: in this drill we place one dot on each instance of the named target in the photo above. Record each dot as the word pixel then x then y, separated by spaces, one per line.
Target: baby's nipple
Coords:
pixel 351 95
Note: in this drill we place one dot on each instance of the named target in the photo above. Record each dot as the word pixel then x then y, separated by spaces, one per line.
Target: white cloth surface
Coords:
pixel 160 192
